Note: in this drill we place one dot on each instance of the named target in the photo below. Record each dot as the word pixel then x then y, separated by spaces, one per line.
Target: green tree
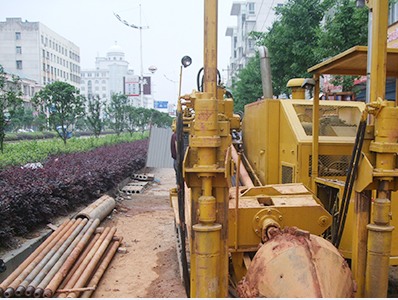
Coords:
pixel 94 119
pixel 131 119
pixel 117 111
pixel 9 100
pixel 63 103
pixel 292 40
pixel 27 118
pixel 347 27
pixel 248 87
pixel 40 121
pixel 143 118
pixel 161 119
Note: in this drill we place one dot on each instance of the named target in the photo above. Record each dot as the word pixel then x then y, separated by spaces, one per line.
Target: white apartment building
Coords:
pixel 35 50
pixel 27 86
pixel 254 15
pixel 111 75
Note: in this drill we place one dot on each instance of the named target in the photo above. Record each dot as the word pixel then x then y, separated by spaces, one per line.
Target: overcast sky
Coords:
pixel 175 30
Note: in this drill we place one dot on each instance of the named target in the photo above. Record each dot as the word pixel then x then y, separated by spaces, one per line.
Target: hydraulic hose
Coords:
pixel 181 205
pixel 345 201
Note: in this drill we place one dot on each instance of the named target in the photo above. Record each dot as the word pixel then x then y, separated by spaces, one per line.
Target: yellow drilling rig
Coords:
pixel 313 181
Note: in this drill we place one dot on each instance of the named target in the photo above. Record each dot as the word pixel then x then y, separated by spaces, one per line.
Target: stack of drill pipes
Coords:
pixel 78 262
pixel 102 267
pixel 84 277
pixel 244 176
pixel 17 271
pixel 48 264
pixel 69 256
pixel 50 290
pixel 20 291
pixel 10 291
pixel 64 264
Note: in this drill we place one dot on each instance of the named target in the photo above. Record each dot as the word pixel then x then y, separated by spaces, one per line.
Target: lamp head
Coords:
pixel 186 61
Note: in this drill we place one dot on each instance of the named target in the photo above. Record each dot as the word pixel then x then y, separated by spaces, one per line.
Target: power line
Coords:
pixel 272 4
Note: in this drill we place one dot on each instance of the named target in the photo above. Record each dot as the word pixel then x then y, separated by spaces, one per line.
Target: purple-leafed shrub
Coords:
pixel 29 197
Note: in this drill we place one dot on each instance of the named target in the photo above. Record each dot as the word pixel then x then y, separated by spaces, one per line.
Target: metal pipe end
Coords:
pixel 38 293
pixel 9 292
pixel 48 293
pixel 29 291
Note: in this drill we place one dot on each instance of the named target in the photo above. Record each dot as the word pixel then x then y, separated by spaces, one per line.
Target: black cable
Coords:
pixel 356 153
pixel 200 86
pixel 181 204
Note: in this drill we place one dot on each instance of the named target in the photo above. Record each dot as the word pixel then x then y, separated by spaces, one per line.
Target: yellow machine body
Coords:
pixel 299 167
pixel 278 142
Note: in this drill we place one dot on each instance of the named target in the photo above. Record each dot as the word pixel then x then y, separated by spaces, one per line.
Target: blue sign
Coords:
pixel 160 104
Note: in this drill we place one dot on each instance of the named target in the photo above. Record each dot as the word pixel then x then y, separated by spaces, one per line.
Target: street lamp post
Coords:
pixel 142 68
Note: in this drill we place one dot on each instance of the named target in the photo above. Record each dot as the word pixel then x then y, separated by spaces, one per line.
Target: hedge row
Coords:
pixel 29 197
pixel 36 151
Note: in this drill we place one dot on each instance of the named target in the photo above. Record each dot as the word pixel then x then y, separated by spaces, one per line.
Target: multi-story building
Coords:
pixel 27 86
pixel 254 15
pixel 111 75
pixel 38 52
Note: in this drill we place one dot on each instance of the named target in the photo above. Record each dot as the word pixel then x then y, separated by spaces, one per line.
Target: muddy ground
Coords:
pixel 149 269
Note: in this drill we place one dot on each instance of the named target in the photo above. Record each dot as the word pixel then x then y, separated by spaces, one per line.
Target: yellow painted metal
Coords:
pixel 283 204
pixel 379 49
pixel 210 47
pixel 315 132
pixel 207 256
pixel 353 62
pixel 359 239
pixel 297 91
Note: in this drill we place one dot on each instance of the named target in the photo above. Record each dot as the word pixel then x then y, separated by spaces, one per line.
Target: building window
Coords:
pixel 82 88
pixel 90 86
pixel 104 88
pixel 96 82
pixel 44 67
pixel 42 39
pixel 19 50
pixel 103 82
pixel 251 8
pixel 103 95
pixel 17 35
pixel 279 5
pixel 19 64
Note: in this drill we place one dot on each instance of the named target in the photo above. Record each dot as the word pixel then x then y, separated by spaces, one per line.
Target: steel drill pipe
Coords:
pixel 52 261
pixel 10 291
pixel 65 255
pixel 63 265
pixel 244 176
pixel 20 291
pixel 79 261
pixel 50 289
pixel 17 271
pixel 102 267
pixel 98 209
pixel 84 277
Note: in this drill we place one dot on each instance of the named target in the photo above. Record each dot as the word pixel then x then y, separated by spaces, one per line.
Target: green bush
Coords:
pixel 37 150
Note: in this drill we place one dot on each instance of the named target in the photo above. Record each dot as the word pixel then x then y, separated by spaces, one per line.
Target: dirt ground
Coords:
pixel 149 269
